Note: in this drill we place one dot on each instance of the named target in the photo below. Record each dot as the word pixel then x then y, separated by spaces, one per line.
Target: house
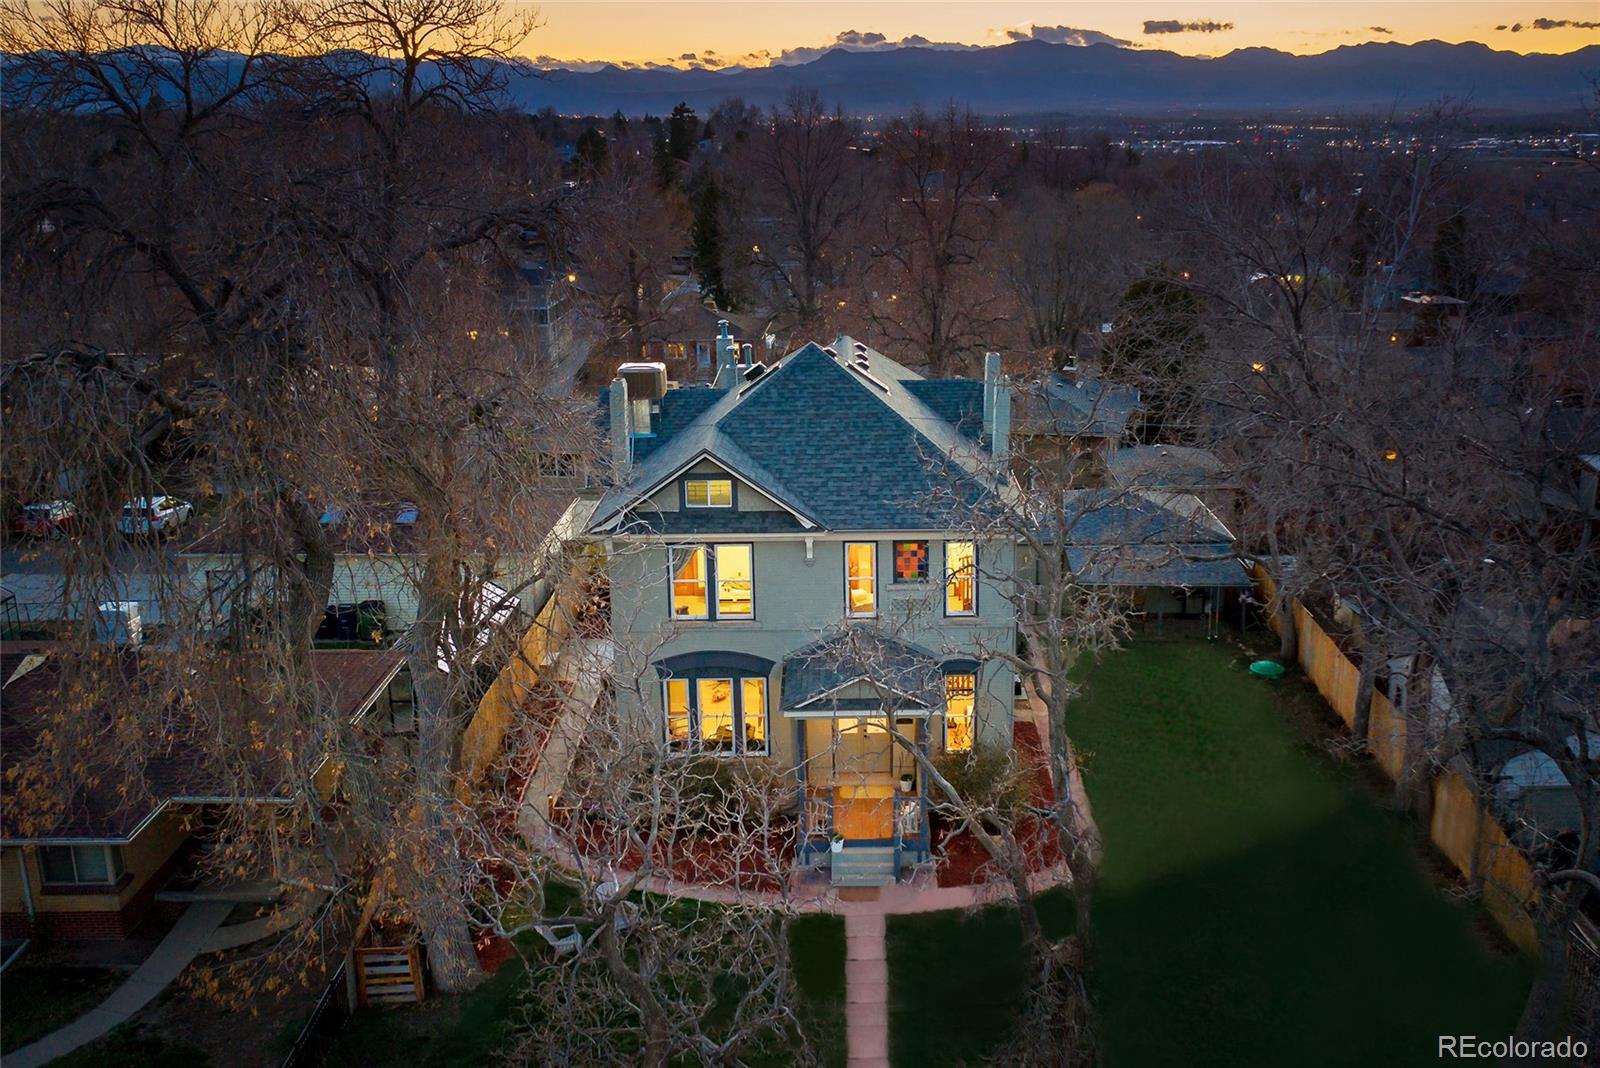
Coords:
pixel 90 865
pixel 1070 424
pixel 789 580
pixel 1165 552
pixel 377 574
pixel 1179 469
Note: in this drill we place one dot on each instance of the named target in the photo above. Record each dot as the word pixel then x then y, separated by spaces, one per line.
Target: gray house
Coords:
pixel 789 580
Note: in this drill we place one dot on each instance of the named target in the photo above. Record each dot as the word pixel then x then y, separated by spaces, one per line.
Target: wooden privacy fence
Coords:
pixel 1461 826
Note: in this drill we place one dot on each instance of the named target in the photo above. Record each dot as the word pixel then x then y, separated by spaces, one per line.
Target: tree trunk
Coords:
pixel 1542 1012
pixel 1362 721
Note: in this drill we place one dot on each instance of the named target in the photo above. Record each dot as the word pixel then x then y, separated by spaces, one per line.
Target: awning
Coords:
pixel 828 676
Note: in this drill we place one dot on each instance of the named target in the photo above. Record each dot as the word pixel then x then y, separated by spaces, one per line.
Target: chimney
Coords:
pixel 621 431
pixel 727 357
pixel 647 384
pixel 1000 426
pixel 991 374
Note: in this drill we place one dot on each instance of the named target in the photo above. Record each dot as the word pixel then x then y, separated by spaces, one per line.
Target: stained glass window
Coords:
pixel 911 561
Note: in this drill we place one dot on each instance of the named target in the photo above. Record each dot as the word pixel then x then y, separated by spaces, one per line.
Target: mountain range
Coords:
pixel 1036 76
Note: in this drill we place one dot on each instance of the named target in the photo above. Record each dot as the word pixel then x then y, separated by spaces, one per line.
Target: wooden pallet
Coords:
pixel 389 975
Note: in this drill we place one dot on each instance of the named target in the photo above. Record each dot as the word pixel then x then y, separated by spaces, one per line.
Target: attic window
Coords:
pixel 708 493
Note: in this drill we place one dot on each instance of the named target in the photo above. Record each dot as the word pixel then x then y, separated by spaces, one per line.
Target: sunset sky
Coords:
pixel 723 33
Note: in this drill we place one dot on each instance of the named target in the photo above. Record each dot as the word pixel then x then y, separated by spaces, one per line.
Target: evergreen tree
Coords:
pixel 1155 338
pixel 592 153
pixel 666 166
pixel 684 127
pixel 707 235
pixel 619 125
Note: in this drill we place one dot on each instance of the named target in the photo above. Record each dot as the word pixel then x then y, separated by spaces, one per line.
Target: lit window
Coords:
pixel 958 701
pixel 960 578
pixel 911 561
pixel 708 493
pixel 677 703
pixel 716 714
pixel 861 578
pixel 83 865
pixel 689 600
pixel 735 590
pixel 755 716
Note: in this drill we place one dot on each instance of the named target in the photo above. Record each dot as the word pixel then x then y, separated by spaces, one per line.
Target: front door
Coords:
pixel 863 777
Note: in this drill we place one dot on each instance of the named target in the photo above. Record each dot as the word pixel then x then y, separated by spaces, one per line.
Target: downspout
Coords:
pixel 27 891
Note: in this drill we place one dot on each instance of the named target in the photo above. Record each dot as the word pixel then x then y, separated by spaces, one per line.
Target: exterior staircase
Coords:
pixel 864 866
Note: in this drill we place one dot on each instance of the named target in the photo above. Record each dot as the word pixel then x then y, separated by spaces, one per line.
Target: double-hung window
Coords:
pixel 714 582
pixel 861 579
pixel 726 715
pixel 959 696
pixel 960 578
pixel 81 865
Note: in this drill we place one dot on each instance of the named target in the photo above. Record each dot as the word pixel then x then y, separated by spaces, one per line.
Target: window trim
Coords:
pixel 733 493
pixel 894 559
pixel 849 612
pixel 948 574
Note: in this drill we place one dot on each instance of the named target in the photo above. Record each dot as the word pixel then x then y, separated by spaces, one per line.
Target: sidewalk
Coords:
pixel 188 938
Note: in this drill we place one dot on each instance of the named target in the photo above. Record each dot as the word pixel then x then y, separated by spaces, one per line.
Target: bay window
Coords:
pixel 960 578
pixel 716 714
pixel 861 578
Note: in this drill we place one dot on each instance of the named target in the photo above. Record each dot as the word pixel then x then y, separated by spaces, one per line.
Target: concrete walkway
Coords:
pixel 188 937
pixel 866 985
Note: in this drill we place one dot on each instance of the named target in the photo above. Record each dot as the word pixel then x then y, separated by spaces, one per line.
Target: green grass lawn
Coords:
pixel 35 999
pixel 816 956
pixel 1256 906
pixel 956 979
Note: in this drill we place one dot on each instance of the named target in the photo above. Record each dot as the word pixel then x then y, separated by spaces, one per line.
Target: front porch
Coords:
pixel 864 813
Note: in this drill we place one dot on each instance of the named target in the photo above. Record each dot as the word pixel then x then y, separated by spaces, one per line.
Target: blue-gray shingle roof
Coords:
pixel 958 401
pixel 823 439
pixel 910 674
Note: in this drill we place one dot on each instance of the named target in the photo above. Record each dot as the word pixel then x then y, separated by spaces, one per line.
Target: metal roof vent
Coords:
pixel 754 371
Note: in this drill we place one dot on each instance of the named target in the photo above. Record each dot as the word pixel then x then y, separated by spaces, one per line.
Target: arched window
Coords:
pixel 716 702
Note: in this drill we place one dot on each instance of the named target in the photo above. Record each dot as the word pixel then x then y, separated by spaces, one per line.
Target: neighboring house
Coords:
pixel 93 870
pixel 1179 469
pixel 786 577
pixel 1069 425
pixel 376 576
pixel 1166 552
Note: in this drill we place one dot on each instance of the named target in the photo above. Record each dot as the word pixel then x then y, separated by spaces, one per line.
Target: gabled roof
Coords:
pixel 1080 405
pixel 814 675
pixel 841 447
pixel 1121 537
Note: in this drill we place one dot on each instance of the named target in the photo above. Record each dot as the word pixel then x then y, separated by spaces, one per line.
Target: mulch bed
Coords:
pixel 962 860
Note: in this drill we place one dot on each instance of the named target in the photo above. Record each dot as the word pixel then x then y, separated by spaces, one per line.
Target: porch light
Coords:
pixel 756 249
pixel 1391 455
pixel 472 335
pixel 1393 338
pixel 1258 367
pixel 571 277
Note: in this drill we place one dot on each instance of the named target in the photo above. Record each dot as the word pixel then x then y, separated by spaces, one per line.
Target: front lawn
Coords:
pixel 39 998
pixel 1256 906
pixel 956 979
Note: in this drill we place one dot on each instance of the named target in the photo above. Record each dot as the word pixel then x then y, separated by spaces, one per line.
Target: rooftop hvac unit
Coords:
pixel 646 381
pixel 117 623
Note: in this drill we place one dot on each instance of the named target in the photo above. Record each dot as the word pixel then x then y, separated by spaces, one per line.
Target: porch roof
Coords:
pixel 907 676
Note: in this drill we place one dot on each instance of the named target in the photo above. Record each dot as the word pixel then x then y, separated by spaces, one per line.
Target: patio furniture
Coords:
pixel 563 937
